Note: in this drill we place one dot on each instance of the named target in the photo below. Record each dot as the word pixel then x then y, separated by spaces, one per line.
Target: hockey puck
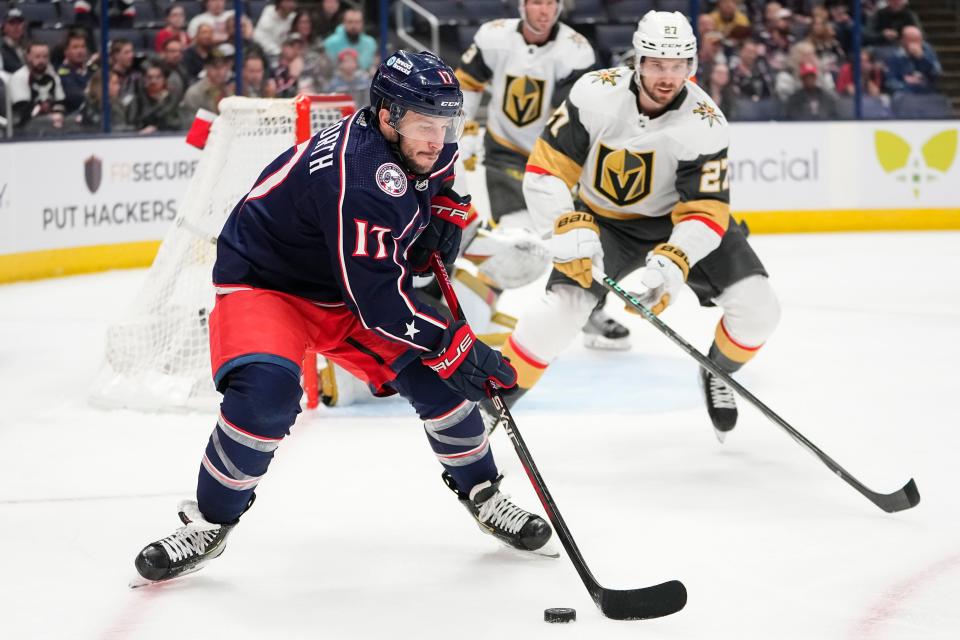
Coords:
pixel 560 614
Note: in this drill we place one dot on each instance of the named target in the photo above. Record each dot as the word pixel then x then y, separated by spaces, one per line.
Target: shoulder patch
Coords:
pixel 391 179
pixel 708 112
pixel 605 76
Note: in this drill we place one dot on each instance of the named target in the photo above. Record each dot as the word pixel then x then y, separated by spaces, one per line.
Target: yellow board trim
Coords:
pixel 53 263
pixel 851 220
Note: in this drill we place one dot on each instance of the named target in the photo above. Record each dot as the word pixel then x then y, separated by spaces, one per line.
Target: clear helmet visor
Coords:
pixel 428 128
pixel 667 68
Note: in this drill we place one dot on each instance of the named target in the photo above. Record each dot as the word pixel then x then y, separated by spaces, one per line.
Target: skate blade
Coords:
pixel 600 343
pixel 546 551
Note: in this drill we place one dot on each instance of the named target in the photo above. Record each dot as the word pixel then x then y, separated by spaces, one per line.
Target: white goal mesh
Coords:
pixel 157 357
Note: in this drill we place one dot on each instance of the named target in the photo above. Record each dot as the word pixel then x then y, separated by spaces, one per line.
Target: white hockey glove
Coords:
pixel 576 247
pixel 666 272
pixel 470 143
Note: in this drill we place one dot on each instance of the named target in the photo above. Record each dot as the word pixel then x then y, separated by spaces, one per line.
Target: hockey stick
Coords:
pixel 630 604
pixel 906 497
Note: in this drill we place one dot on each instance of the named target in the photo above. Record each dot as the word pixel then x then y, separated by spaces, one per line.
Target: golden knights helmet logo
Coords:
pixel 523 99
pixel 623 176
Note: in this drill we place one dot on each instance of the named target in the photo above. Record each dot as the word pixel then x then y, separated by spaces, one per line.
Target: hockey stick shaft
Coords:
pixel 905 498
pixel 650 602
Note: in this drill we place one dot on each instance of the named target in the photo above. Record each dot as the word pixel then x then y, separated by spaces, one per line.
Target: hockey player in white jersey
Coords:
pixel 528 64
pixel 647 149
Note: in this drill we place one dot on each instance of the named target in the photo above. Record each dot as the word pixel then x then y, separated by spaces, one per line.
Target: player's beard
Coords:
pixel 420 161
pixel 656 96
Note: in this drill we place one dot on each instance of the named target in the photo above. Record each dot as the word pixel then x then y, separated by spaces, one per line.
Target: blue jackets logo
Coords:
pixel 391 180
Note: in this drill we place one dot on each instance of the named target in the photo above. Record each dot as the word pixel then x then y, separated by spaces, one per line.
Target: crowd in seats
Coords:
pixel 786 64
pixel 168 59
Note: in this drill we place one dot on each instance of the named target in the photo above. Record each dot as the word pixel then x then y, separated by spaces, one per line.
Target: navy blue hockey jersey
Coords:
pixel 331 220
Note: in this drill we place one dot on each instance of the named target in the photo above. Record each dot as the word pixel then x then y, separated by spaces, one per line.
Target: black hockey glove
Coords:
pixel 449 214
pixel 467 364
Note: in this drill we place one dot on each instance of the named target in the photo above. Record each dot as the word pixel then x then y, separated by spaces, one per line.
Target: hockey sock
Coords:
pixel 260 404
pixel 529 368
pixel 727 353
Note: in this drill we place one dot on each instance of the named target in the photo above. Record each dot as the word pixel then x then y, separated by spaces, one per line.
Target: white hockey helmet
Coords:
pixel 665 34
pixel 523 14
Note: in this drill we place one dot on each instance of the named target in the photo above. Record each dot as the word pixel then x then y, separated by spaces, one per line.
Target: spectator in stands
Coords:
pixel 350 79
pixel 215 16
pixel 246 32
pixel 91 115
pixel 74 72
pixel 350 35
pixel 719 87
pixel 289 66
pixel 207 92
pixel 751 75
pixel 776 35
pixel 887 24
pixel 14 43
pixel 317 67
pixel 256 84
pixel 157 108
pixel 120 14
pixel 178 79
pixel 196 56
pixel 36 93
pixel 122 62
pixel 788 80
pixel 731 22
pixel 709 53
pixel 828 51
pixel 915 68
pixel 810 101
pixel 274 25
pixel 871 76
pixel 328 17
pixel 842 24
pixel 176 20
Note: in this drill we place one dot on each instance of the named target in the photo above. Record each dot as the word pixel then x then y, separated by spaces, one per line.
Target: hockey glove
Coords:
pixel 469 144
pixel 667 270
pixel 576 246
pixel 466 364
pixel 449 214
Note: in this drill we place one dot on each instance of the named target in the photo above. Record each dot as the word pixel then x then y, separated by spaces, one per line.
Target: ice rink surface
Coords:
pixel 354 535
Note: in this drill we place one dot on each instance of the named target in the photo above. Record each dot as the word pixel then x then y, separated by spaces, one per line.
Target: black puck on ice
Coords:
pixel 560 614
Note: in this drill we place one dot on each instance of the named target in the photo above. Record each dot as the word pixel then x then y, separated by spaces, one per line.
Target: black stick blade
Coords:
pixel 640 604
pixel 906 498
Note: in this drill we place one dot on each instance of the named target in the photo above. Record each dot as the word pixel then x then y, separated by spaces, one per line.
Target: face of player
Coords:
pixel 662 78
pixel 541 14
pixel 420 138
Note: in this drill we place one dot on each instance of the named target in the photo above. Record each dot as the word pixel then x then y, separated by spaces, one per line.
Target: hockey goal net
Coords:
pixel 157 355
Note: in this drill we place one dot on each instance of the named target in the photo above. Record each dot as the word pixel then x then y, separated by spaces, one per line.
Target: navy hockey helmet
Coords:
pixel 421 83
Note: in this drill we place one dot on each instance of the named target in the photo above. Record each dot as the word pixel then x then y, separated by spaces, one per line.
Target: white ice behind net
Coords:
pixel 157 357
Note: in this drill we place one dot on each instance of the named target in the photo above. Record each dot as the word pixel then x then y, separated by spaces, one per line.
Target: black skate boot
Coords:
pixel 602 332
pixel 502 519
pixel 185 550
pixel 721 404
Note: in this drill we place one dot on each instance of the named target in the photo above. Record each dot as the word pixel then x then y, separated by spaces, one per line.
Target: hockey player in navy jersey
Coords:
pixel 320 254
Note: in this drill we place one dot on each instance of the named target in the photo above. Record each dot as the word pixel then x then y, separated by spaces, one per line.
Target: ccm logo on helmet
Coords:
pixel 446 365
pixel 450 104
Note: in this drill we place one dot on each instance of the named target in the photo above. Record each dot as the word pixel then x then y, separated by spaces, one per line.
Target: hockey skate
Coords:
pixel 721 404
pixel 498 516
pixel 603 333
pixel 185 550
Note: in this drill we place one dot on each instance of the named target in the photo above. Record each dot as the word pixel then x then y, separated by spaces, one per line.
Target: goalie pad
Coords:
pixel 509 257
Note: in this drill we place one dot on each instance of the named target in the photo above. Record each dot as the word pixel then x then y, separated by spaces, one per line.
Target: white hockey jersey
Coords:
pixel 526 81
pixel 627 165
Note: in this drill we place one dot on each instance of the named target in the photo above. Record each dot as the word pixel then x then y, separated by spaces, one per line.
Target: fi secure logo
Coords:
pixel 898 159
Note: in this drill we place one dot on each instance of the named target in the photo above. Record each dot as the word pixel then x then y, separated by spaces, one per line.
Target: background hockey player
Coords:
pixel 648 150
pixel 320 254
pixel 529 64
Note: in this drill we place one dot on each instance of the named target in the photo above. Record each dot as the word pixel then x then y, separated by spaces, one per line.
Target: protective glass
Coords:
pixel 435 129
pixel 679 68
